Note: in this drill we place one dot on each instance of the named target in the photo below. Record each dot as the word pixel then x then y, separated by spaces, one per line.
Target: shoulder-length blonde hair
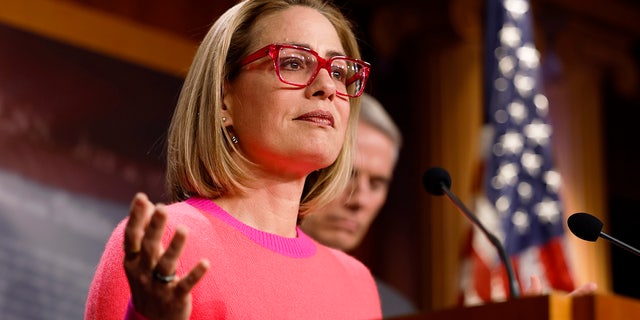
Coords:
pixel 199 148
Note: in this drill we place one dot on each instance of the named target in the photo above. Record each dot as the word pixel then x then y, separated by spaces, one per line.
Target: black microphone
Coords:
pixel 437 181
pixel 589 228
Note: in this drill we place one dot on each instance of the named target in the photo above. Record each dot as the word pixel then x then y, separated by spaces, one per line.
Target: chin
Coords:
pixel 322 161
pixel 346 246
pixel 339 244
pixel 326 153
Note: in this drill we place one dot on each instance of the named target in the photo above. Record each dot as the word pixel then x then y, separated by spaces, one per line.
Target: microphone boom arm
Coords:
pixel 620 243
pixel 513 283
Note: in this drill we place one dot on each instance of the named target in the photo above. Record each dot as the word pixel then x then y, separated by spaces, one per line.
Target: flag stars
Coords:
pixel 520 220
pixel 516 8
pixel 507 66
pixel 525 191
pixel 506 175
pixel 529 56
pixel 538 132
pixel 501 84
pixel 517 111
pixel 548 211
pixel 511 142
pixel 531 162
pixel 524 84
pixel 501 116
pixel 502 205
pixel 510 35
pixel 542 104
pixel 553 180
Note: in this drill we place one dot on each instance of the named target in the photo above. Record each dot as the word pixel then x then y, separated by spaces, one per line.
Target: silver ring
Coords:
pixel 164 279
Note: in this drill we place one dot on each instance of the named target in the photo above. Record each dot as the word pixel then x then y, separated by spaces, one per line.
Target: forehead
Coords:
pixel 297 25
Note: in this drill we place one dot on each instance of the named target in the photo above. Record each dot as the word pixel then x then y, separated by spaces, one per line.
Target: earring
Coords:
pixel 224 119
pixel 234 139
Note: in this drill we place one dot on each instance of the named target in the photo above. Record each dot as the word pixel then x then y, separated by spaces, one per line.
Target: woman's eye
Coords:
pixel 338 73
pixel 292 64
pixel 378 183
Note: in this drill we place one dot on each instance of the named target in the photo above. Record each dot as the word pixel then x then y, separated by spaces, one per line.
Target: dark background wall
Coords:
pixel 82 129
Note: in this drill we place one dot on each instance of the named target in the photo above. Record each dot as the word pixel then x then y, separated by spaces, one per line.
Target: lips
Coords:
pixel 319 117
pixel 348 225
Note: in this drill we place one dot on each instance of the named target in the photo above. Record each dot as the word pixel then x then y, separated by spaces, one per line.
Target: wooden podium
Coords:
pixel 548 307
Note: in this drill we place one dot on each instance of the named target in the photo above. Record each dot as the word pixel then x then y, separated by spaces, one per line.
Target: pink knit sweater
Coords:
pixel 253 274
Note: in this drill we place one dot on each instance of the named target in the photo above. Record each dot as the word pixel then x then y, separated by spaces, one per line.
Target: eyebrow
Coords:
pixel 329 54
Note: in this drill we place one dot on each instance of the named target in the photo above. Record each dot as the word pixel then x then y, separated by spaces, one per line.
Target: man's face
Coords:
pixel 344 222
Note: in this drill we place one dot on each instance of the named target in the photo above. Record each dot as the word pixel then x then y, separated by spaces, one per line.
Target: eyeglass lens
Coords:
pixel 300 67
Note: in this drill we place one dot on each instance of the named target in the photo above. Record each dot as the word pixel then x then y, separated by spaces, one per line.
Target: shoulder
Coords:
pixel 180 213
pixel 184 213
pixel 350 263
pixel 393 302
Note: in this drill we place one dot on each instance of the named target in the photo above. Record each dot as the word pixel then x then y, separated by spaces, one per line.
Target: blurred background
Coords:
pixel 87 89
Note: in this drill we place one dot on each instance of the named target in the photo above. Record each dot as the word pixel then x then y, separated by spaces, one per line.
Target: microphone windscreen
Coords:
pixel 434 178
pixel 585 226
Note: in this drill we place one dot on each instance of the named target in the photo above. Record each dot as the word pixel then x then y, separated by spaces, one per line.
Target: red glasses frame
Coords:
pixel 273 51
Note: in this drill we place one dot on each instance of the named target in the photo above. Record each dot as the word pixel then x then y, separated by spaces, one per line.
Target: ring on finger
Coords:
pixel 162 278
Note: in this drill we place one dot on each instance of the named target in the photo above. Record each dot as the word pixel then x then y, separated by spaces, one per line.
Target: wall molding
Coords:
pixel 102 32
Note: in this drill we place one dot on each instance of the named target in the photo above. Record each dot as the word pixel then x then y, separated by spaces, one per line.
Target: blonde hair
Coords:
pixel 199 149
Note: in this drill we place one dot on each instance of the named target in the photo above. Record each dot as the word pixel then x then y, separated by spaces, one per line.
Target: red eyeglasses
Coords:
pixel 299 66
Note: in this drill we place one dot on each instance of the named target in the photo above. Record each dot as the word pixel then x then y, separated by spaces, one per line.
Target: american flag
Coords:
pixel 519 202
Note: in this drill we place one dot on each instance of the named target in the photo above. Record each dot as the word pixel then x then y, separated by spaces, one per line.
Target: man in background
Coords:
pixel 344 223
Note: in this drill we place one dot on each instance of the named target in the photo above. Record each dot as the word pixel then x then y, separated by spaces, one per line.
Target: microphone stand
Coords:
pixel 513 283
pixel 620 243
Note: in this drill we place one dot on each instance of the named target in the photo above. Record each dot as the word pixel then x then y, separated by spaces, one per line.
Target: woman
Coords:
pixel 263 132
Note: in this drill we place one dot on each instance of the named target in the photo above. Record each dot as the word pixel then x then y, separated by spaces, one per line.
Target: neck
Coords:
pixel 271 206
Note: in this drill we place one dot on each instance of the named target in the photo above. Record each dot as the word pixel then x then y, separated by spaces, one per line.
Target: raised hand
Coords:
pixel 535 288
pixel 587 288
pixel 156 291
